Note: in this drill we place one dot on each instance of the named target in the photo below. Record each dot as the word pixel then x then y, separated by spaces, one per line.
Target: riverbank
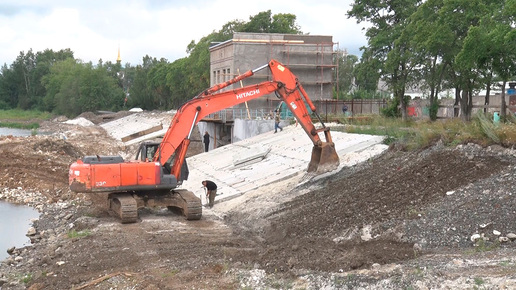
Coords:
pixel 398 221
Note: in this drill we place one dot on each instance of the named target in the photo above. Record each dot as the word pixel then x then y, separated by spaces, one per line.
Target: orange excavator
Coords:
pixel 152 179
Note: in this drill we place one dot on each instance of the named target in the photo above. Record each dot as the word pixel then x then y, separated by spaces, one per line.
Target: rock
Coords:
pixel 85 222
pixel 496 233
pixel 503 239
pixel 475 237
pixel 292 262
pixel 31 232
pixel 366 233
pixel 511 236
pixel 11 250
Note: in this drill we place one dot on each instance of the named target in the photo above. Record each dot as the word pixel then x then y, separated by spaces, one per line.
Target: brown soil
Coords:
pixel 397 212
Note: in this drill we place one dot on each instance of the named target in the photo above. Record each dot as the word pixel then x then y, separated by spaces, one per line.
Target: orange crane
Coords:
pixel 152 179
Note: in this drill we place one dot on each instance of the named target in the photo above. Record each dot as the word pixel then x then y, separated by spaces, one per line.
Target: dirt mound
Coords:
pixel 356 218
pixel 57 147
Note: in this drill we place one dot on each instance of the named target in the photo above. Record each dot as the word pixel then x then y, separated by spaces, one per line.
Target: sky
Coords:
pixel 96 30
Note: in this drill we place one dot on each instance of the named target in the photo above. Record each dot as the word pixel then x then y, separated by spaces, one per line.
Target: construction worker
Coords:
pixel 211 192
pixel 277 121
pixel 206 141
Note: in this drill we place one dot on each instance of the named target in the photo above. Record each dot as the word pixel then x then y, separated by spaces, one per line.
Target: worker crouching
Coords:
pixel 211 191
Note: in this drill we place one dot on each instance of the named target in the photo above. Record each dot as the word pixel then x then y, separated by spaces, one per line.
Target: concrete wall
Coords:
pixel 446 109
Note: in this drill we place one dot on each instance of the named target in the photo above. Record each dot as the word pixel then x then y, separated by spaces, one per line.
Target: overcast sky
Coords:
pixel 95 29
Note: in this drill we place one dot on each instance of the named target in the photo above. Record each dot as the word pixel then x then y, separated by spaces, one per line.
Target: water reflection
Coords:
pixel 14 223
pixel 15 132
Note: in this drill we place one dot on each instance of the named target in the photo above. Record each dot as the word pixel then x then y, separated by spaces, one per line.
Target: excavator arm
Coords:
pixel 175 143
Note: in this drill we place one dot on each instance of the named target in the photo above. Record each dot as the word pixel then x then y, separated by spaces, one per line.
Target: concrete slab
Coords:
pixel 138 127
pixel 290 152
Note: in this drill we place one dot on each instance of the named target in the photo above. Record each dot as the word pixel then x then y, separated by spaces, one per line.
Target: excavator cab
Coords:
pixel 146 151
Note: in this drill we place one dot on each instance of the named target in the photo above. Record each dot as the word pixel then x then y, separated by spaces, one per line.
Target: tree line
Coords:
pixel 436 45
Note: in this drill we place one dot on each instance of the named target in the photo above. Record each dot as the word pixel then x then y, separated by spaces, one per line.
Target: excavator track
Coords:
pixel 190 205
pixel 124 205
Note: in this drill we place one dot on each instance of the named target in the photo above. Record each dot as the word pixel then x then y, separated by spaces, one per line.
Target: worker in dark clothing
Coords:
pixel 344 108
pixel 206 140
pixel 211 188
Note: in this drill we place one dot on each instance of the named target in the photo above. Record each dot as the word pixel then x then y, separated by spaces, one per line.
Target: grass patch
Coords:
pixel 482 246
pixel 14 125
pixel 26 278
pixel 479 281
pixel 22 115
pixel 414 135
pixel 73 234
pixel 170 273
pixel 20 119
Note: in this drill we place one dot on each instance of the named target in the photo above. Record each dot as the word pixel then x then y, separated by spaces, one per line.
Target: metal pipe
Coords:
pixel 193 124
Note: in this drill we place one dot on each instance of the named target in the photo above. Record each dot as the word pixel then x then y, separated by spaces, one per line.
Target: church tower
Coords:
pixel 118 59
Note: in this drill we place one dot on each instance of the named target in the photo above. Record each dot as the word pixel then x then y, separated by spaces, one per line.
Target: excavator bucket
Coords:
pixel 324 158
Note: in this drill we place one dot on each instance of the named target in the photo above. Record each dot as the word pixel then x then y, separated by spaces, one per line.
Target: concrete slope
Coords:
pixel 138 127
pixel 287 154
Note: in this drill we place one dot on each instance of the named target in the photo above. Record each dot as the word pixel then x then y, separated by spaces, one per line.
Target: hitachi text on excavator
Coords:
pixel 152 179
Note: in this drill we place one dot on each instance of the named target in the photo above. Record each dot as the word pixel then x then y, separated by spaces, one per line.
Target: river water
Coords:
pixel 14 219
pixel 15 132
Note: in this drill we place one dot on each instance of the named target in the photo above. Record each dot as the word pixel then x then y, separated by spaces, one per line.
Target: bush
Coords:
pixel 391 111
pixel 433 109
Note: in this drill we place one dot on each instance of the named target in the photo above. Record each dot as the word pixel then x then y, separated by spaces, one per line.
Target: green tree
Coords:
pixel 461 16
pixel 431 41
pixel 8 88
pixel 367 72
pixel 346 65
pixel 157 82
pixel 180 92
pixel 387 47
pixel 265 22
pixel 20 85
pixel 140 93
pixel 73 87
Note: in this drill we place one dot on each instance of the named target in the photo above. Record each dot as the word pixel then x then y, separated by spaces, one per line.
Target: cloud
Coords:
pixel 95 30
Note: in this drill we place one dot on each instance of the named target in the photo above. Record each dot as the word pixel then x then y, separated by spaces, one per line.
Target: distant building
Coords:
pixel 309 57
